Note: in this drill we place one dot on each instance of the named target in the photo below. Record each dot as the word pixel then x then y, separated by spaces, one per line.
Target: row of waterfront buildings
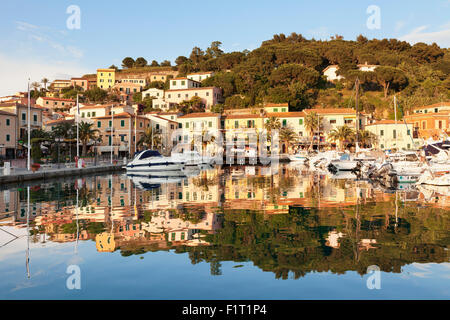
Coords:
pixel 121 124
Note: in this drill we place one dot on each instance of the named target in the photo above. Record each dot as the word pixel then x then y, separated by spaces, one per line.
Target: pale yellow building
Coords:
pixel 394 136
pixel 106 78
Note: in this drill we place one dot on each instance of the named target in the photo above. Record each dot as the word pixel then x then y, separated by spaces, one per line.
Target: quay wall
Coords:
pixel 57 173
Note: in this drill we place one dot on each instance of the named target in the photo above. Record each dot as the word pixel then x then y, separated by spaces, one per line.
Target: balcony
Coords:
pixel 109 129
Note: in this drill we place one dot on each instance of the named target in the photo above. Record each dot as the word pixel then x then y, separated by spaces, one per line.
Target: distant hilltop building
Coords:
pixel 331 71
pixel 200 76
pixel 183 89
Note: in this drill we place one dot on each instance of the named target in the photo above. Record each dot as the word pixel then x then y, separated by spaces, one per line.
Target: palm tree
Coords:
pixel 342 134
pixel 35 85
pixel 366 138
pixel 151 137
pixel 273 123
pixel 45 81
pixel 86 133
pixel 312 124
pixel 64 130
pixel 287 135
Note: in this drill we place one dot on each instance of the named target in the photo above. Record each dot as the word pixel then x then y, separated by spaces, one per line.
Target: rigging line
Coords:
pixel 9 233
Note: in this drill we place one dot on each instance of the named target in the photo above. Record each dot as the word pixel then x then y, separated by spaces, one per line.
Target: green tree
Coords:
pixel 343 134
pixel 312 124
pixel 128 63
pixel 86 134
pixel 45 81
pixel 151 138
pixel 288 136
pixel 389 77
pixel 96 95
pixel 366 138
pixel 140 62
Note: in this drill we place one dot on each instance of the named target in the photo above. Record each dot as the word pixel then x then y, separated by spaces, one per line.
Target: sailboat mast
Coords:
pixel 357 114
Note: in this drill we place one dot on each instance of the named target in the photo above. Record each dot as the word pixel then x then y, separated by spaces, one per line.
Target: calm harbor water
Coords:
pixel 225 233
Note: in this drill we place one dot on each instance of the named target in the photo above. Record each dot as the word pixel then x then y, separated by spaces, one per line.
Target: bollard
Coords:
pixel 124 160
pixel 7 168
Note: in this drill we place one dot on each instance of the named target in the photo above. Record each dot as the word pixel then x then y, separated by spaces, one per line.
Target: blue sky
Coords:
pixel 35 42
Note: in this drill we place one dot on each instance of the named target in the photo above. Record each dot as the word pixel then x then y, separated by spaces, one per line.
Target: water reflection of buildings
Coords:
pixel 118 212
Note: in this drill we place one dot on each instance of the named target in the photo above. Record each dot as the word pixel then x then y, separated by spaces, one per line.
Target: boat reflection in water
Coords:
pixel 292 222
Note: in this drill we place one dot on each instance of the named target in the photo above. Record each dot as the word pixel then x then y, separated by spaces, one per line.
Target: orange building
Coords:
pixel 430 121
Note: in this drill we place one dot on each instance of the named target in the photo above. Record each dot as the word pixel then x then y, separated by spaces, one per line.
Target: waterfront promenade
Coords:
pixel 56 171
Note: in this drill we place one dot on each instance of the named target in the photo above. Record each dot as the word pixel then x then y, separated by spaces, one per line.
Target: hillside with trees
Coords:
pixel 289 69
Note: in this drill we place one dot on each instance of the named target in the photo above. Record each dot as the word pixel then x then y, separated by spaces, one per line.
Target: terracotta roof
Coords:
pixel 156 116
pixel 332 111
pixel 200 115
pixel 270 105
pixel 199 73
pixel 387 122
pixel 121 115
pixel 94 107
pixel 59 121
pixel 7 113
pixel 298 114
pixel 57 99
pixel 168 113
pixel 243 116
pixel 201 88
pixel 439 104
pixel 106 70
pixel 330 66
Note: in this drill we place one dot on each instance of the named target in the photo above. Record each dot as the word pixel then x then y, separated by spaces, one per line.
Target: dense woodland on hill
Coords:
pixel 289 69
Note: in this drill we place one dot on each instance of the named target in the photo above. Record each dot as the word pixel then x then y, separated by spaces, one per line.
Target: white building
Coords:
pixel 200 76
pixel 183 83
pixel 393 136
pixel 330 73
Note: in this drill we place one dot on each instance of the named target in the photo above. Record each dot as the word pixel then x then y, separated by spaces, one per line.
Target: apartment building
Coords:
pixel 194 126
pixel 84 83
pixel 432 121
pixel 393 135
pixel 8 135
pixel 120 132
pixel 200 76
pixel 21 112
pixel 106 78
pixel 58 85
pixel 55 103
pixel 210 96
pixel 126 91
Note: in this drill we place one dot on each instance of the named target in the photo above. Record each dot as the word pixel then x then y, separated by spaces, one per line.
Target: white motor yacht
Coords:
pixel 152 162
pixel 301 156
pixel 344 163
pixel 187 157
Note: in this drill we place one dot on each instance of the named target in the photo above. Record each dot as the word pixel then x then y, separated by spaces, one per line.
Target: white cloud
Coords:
pixel 16 71
pixel 419 34
pixel 399 25
pixel 49 37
